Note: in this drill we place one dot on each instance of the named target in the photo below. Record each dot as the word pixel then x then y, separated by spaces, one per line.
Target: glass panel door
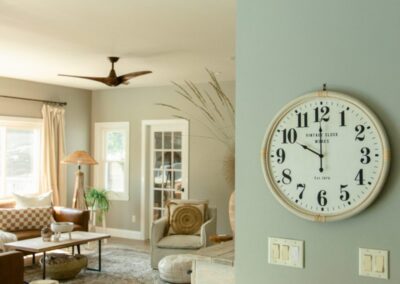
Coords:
pixel 168 167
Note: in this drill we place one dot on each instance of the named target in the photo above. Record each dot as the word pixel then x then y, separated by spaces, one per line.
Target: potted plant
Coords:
pixel 97 199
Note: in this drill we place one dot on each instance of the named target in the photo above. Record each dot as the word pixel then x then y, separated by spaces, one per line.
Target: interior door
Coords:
pixel 168 166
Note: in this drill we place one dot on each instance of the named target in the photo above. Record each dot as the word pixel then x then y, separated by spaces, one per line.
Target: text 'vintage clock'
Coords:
pixel 325 156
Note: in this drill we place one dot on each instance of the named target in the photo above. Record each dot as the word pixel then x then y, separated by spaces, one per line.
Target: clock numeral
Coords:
pixel 360 132
pixel 280 153
pixel 324 111
pixel 342 119
pixel 365 151
pixel 322 200
pixel 289 136
pixel 286 179
pixel 301 187
pixel 302 120
pixel 360 177
pixel 344 194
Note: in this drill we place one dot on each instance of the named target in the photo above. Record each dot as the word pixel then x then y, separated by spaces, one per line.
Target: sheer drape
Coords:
pixel 53 137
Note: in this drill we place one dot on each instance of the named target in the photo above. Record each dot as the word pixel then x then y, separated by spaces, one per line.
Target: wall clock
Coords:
pixel 325 156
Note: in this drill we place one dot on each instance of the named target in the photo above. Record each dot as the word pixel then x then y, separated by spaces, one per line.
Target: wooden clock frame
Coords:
pixel 324 217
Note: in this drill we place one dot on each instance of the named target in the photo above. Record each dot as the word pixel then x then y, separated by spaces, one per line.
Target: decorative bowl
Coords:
pixel 61 227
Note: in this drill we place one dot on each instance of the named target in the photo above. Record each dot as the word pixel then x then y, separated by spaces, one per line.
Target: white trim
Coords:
pixel 26 121
pixel 100 128
pixel 144 198
pixel 121 233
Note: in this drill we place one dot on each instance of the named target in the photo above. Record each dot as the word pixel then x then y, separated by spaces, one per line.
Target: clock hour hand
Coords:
pixel 309 149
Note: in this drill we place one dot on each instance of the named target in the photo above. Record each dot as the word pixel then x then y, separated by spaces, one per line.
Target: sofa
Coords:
pixel 11 267
pixel 60 214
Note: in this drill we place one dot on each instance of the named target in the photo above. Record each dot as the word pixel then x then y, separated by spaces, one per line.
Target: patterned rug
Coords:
pixel 120 265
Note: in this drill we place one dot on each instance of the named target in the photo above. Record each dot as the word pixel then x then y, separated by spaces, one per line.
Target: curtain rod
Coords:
pixel 34 100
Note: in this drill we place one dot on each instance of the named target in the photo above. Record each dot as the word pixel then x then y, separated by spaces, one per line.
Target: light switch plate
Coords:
pixel 373 263
pixel 291 252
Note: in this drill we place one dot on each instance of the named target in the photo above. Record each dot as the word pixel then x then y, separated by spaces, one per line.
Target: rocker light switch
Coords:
pixel 374 263
pixel 286 252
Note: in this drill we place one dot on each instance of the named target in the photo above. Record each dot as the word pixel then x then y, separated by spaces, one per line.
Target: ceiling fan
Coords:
pixel 112 80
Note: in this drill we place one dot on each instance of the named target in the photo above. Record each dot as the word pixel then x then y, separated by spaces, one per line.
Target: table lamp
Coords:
pixel 79 158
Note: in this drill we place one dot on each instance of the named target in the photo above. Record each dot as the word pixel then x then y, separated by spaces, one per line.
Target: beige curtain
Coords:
pixel 53 151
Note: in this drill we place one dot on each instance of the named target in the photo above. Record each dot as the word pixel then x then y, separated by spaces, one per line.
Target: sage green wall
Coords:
pixel 77 115
pixel 206 176
pixel 288 48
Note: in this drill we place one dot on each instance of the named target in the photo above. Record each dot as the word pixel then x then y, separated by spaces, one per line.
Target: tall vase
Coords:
pixel 232 212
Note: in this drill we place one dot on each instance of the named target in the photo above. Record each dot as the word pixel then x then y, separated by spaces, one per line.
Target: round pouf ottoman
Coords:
pixel 177 268
pixel 62 266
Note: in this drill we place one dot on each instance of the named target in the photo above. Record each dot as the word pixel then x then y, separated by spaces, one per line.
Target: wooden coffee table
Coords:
pixel 37 245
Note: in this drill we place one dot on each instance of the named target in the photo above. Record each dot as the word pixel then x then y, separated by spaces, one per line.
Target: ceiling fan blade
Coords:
pixel 126 77
pixel 104 80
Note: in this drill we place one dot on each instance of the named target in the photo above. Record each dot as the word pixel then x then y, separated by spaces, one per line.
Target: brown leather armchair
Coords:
pixel 12 267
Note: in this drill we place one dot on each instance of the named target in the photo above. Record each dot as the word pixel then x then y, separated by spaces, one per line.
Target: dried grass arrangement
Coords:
pixel 215 111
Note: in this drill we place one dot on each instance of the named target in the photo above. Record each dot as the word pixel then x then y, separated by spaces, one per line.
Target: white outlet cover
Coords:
pixel 374 253
pixel 296 252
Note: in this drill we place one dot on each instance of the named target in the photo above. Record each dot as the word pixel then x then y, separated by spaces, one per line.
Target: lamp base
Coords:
pixel 78 200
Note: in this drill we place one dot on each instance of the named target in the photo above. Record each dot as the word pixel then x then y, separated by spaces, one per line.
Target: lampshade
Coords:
pixel 80 158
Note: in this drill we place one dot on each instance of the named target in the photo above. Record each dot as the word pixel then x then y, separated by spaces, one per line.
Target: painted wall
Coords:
pixel 288 48
pixel 77 115
pixel 206 178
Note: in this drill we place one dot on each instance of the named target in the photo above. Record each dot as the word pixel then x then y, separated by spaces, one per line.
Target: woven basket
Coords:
pixel 63 266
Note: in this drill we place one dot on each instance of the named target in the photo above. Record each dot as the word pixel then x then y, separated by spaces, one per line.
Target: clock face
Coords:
pixel 325 156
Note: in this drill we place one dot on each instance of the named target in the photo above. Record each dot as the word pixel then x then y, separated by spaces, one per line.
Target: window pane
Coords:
pixel 167 140
pixel 20 161
pixel 157 198
pixel 158 140
pixel 177 140
pixel 167 160
pixel 177 160
pixel 115 176
pixel 115 145
pixel 158 159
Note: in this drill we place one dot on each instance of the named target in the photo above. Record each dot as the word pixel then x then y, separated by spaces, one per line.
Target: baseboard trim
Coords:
pixel 121 233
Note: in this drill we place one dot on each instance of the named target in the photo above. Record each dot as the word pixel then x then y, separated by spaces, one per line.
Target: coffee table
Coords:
pixel 37 245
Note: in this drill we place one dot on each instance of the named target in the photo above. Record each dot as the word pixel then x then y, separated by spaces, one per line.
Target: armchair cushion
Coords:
pixel 180 242
pixel 186 219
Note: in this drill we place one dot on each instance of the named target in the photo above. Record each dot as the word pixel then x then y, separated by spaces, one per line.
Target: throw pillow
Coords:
pixel 186 218
pixel 43 200
pixel 15 219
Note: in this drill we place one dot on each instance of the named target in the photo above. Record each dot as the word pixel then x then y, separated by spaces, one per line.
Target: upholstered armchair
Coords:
pixel 162 244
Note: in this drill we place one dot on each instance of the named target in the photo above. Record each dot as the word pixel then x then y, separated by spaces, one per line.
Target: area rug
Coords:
pixel 120 265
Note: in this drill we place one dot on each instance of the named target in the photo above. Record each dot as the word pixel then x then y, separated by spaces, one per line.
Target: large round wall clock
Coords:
pixel 325 156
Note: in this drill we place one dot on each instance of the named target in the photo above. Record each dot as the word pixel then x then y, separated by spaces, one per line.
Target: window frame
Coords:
pixel 17 122
pixel 100 128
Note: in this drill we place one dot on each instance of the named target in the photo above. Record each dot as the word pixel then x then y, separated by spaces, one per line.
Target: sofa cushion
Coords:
pixel 25 219
pixel 31 201
pixel 180 242
pixel 186 218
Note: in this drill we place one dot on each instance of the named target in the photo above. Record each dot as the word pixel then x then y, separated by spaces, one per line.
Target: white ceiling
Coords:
pixel 176 39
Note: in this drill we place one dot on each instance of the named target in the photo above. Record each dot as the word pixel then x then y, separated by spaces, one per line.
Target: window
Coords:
pixel 20 150
pixel 112 153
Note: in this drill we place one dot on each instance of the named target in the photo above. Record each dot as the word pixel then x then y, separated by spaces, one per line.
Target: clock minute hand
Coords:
pixel 321 169
pixel 311 150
